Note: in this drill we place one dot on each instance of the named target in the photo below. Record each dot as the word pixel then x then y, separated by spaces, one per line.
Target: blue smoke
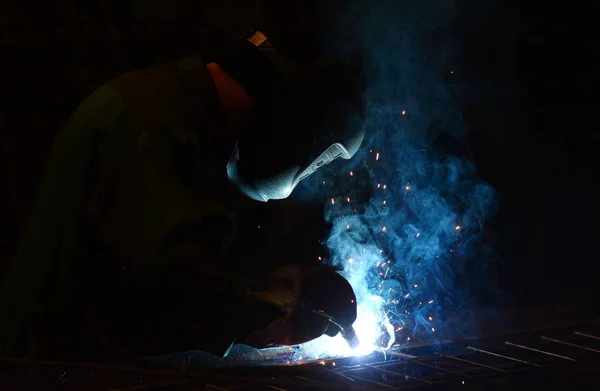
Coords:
pixel 407 214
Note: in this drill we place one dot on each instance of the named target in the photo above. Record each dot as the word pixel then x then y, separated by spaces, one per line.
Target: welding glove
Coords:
pixel 327 305
pixel 284 288
pixel 292 290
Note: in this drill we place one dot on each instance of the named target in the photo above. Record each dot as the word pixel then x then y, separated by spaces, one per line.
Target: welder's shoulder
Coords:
pixel 136 91
pixel 159 95
pixel 168 95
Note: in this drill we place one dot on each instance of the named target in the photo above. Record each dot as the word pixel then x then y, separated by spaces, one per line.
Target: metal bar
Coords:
pixel 440 369
pixel 189 374
pixel 373 382
pixel 276 388
pixel 470 362
pixel 377 364
pixel 586 335
pixel 165 383
pixel 339 373
pixel 406 359
pixel 385 364
pixel 506 357
pixel 570 344
pixel 398 374
pixel 539 351
pixel 401 355
pixel 340 379
pixel 308 379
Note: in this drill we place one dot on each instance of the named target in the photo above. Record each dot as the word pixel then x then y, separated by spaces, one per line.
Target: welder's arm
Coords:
pixel 178 297
pixel 190 303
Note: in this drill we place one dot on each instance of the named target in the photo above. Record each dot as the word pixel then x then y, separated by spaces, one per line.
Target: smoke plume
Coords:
pixel 408 212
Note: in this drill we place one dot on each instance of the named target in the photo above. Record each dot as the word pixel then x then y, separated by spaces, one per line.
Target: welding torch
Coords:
pixel 349 335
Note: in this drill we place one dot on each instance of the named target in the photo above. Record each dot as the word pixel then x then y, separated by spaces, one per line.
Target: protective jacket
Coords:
pixel 135 176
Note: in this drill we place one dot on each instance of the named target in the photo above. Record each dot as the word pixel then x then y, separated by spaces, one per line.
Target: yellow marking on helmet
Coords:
pixel 257 38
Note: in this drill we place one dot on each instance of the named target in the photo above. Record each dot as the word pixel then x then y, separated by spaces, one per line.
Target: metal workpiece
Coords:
pixel 459 364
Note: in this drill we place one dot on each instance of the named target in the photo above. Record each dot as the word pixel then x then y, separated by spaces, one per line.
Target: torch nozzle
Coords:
pixel 350 336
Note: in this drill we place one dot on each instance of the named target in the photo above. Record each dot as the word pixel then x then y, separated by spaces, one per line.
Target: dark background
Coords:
pixel 532 134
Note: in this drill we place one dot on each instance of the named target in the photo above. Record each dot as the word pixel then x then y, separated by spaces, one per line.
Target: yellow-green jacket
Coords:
pixel 136 161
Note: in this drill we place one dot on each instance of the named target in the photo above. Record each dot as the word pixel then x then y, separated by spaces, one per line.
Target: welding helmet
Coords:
pixel 327 305
pixel 307 112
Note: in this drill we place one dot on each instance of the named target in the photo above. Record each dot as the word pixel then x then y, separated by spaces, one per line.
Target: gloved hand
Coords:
pixel 316 301
pixel 284 288
pixel 327 305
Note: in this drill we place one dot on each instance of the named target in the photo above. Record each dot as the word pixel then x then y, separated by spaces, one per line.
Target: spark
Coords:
pixel 377 156
pixel 416 286
pixel 430 301
pixel 348 199
pixel 332 201
pixel 418 234
pixel 371 321
pixel 384 202
pixel 407 188
pixel 350 260
pixel 433 330
pixel 457 227
pixel 384 187
pixel 383 229
pixel 319 258
pixel 378 185
pixel 403 112
pixel 351 173
pixel 348 226
pixel 430 318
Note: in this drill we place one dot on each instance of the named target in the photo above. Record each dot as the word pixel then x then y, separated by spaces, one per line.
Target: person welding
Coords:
pixel 122 250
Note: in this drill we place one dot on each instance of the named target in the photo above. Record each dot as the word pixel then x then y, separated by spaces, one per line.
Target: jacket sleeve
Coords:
pixel 156 209
pixel 188 303
pixel 176 295
pixel 158 170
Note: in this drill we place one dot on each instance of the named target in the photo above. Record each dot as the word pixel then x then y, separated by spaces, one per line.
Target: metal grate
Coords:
pixel 465 361
pixel 455 363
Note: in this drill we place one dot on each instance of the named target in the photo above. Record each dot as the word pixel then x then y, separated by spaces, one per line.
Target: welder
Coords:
pixel 121 254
